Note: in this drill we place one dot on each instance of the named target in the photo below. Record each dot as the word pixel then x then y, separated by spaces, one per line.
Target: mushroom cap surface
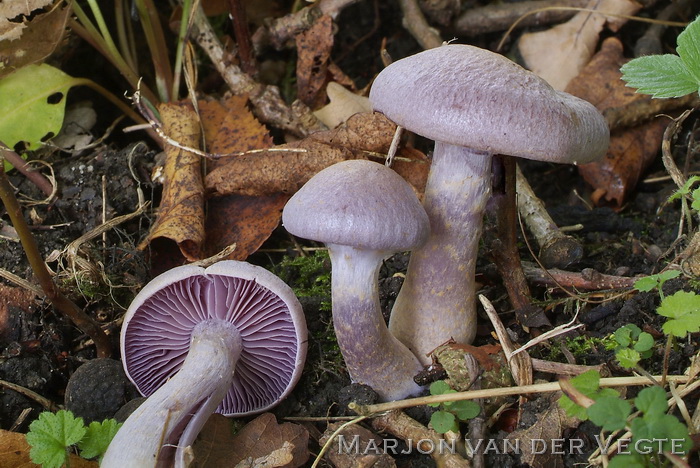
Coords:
pixel 358 203
pixel 157 326
pixel 467 96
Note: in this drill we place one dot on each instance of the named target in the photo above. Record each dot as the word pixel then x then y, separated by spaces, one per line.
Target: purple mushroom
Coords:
pixel 363 212
pixel 473 103
pixel 230 338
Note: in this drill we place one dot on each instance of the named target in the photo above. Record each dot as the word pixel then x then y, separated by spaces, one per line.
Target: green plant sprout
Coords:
pixel 668 76
pixel 633 345
pixel 653 430
pixel 449 415
pixel 52 435
pixel 651 282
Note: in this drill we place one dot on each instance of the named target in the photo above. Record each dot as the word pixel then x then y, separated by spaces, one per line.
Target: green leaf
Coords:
pixel 651 401
pixel 442 422
pixel 644 342
pixel 32 105
pixel 628 358
pixel 696 200
pixel 439 388
pixel 465 410
pixel 51 434
pixel 623 336
pixel 646 284
pixel 662 76
pixel 610 413
pixel 97 438
pixel 587 383
pixel 689 48
pixel 654 427
pixel 625 460
pixel 683 311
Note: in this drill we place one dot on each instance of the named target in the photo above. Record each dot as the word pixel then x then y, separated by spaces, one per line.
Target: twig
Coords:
pixel 650 42
pixel 53 294
pixel 242 34
pixel 499 16
pixel 35 177
pixel 557 250
pixel 368 410
pixel 416 24
pixel 587 279
pixel 268 105
pixel 45 402
pixel 642 110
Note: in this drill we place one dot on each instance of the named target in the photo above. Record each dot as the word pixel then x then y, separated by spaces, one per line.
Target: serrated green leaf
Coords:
pixel 668 274
pixel 465 410
pixel 97 438
pixel 689 48
pixel 51 434
pixel 662 76
pixel 653 428
pixel 610 413
pixel 683 311
pixel 652 401
pixel 442 422
pixel 32 105
pixel 644 342
pixel 628 358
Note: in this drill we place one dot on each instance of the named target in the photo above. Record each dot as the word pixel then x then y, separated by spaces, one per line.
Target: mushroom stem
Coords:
pixel 197 388
pixel 373 356
pixel 437 301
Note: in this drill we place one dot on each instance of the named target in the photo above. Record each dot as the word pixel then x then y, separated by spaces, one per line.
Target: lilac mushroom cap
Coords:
pixel 363 211
pixel 473 103
pixel 254 345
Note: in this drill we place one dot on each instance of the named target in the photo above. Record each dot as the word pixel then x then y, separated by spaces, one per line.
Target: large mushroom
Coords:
pixel 230 338
pixel 473 103
pixel 363 211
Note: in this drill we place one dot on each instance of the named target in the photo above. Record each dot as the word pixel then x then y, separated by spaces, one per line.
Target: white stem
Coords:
pixel 437 300
pixel 372 355
pixel 204 377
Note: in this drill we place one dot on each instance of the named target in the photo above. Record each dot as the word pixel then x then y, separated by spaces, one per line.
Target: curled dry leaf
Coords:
pixel 364 135
pixel 314 53
pixel 575 41
pixel 631 150
pixel 39 37
pixel 13 16
pixel 262 440
pixel 181 214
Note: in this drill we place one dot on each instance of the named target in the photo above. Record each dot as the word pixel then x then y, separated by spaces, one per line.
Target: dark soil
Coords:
pixel 43 350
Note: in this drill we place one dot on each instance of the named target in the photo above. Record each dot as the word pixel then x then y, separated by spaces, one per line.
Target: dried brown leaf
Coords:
pixel 344 104
pixel 631 150
pixel 247 221
pixel 181 214
pixel 550 426
pixel 12 17
pixel 314 52
pixel 560 53
pixel 364 456
pixel 217 447
pixel 14 453
pixel 11 296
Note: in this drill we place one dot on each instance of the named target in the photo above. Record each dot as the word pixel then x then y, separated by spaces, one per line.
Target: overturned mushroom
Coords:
pixel 473 103
pixel 230 338
pixel 363 211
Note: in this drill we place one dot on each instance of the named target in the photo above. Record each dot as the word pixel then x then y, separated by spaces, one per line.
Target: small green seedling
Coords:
pixel 633 345
pixel 449 415
pixel 651 282
pixel 587 383
pixel 683 312
pixel 52 435
pixel 667 76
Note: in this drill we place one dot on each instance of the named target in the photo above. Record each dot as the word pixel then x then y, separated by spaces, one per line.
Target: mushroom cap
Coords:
pixel 358 203
pixel 157 326
pixel 467 96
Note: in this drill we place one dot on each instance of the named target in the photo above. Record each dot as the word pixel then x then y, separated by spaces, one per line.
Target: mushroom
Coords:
pixel 230 338
pixel 473 103
pixel 363 211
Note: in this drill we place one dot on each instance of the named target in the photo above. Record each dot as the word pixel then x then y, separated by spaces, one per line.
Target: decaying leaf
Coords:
pixel 492 361
pixel 560 53
pixel 364 456
pixel 363 135
pixel 12 16
pixel 38 40
pixel 11 296
pixel 261 442
pixel 181 214
pixel 247 221
pixel 631 150
pixel 14 453
pixel 314 52
pixel 344 104
pixel 549 427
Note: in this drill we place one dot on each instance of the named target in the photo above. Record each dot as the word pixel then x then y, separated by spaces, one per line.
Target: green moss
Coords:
pixel 582 346
pixel 308 277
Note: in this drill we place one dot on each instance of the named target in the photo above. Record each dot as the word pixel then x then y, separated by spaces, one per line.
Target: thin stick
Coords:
pixel 368 410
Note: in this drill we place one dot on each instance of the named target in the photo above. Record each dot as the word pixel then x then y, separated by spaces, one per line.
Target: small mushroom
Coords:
pixel 363 211
pixel 230 338
pixel 474 103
